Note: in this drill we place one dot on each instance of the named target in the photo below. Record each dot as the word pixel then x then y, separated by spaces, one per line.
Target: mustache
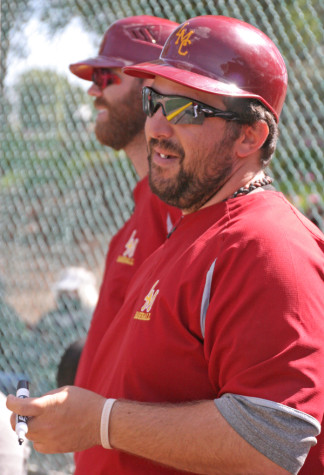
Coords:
pixel 167 146
pixel 99 101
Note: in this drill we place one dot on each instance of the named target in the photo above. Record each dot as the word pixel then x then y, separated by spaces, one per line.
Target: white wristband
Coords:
pixel 104 424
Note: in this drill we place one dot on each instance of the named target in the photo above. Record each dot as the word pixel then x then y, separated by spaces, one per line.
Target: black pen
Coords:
pixel 21 421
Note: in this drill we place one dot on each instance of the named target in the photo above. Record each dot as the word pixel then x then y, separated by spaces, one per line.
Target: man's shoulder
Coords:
pixel 268 211
pixel 270 220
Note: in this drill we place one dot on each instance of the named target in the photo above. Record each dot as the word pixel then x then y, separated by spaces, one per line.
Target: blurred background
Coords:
pixel 63 195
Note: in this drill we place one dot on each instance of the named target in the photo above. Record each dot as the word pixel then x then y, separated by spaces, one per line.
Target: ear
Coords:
pixel 252 138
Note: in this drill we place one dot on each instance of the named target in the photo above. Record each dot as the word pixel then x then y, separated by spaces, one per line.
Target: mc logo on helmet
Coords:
pixel 184 39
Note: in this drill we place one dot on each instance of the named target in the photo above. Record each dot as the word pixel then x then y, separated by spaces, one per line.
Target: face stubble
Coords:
pixel 125 121
pixel 197 182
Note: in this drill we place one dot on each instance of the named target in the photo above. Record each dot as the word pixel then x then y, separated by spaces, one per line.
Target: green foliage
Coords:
pixel 46 99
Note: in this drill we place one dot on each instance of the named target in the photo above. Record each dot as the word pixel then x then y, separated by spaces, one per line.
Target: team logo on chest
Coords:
pixel 145 313
pixel 130 248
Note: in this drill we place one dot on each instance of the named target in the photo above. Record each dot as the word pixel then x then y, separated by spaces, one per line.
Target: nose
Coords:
pixel 158 126
pixel 94 90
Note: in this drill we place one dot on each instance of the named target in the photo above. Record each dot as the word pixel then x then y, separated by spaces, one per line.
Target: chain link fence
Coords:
pixel 63 195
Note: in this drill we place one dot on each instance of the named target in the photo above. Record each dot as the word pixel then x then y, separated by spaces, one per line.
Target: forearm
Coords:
pixel 191 437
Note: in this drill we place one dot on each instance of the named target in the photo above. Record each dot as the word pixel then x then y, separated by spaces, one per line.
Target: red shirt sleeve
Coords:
pixel 264 325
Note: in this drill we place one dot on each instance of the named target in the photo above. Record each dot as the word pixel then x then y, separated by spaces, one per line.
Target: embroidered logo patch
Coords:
pixel 130 248
pixel 183 39
pixel 145 313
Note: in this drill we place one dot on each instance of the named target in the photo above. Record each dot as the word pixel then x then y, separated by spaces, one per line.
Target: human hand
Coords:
pixel 64 420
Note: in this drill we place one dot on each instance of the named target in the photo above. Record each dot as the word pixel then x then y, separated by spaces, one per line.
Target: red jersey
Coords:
pixel 233 303
pixel 142 234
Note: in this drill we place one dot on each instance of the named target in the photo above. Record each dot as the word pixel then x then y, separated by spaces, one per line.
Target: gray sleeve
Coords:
pixel 281 433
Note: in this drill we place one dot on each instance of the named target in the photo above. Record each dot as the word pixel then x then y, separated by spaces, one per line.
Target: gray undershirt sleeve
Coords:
pixel 281 433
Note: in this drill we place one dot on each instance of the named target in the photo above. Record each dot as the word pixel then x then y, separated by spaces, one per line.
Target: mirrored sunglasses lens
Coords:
pixel 181 110
pixel 107 79
pixel 178 110
pixel 97 78
pixel 104 78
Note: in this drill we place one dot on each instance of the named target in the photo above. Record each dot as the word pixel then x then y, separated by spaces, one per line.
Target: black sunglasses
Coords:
pixel 103 77
pixel 181 110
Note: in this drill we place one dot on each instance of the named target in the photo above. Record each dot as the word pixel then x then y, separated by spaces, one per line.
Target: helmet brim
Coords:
pixel 84 69
pixel 176 73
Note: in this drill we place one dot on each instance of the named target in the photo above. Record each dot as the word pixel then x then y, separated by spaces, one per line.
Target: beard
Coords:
pixel 191 188
pixel 125 120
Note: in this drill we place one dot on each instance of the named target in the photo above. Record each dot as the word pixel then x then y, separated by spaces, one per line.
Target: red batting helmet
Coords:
pixel 127 41
pixel 224 56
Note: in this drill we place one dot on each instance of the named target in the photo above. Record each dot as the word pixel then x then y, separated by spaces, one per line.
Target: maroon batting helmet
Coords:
pixel 224 56
pixel 127 41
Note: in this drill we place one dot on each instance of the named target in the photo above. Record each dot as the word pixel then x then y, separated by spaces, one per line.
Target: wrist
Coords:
pixel 104 423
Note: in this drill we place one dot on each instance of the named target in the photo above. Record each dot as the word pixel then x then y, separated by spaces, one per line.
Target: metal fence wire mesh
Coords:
pixel 63 195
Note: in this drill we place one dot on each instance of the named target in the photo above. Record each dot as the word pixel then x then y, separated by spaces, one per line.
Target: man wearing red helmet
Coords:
pixel 120 125
pixel 214 362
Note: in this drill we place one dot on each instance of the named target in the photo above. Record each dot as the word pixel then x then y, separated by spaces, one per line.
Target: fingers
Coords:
pixel 25 407
pixel 48 416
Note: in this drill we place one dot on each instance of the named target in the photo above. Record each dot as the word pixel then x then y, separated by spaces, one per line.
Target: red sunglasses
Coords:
pixel 103 77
